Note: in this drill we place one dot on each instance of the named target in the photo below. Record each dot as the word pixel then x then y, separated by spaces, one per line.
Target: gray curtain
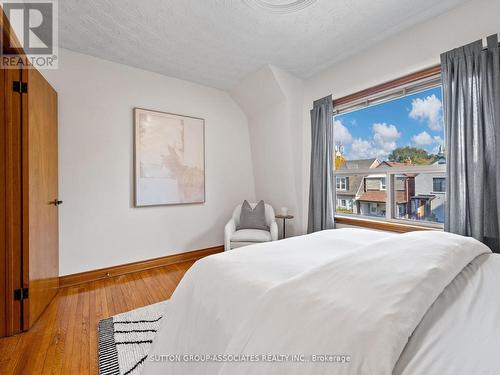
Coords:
pixel 321 189
pixel 471 95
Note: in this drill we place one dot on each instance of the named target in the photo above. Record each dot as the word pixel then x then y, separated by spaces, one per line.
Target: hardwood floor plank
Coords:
pixel 56 349
pixel 40 340
pixel 93 322
pixel 78 339
pixel 155 284
pixel 71 333
pixel 147 298
pixel 7 351
pixel 64 340
pixel 32 347
pixel 86 332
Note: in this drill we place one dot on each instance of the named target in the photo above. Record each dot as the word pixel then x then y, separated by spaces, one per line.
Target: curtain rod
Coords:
pixel 485 40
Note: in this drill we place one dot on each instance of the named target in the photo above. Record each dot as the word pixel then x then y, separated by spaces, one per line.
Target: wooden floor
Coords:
pixel 64 340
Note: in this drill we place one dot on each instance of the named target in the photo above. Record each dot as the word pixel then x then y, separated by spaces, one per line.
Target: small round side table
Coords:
pixel 284 218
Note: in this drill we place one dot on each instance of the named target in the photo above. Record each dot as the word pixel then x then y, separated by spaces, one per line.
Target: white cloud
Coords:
pixel 362 149
pixel 385 136
pixel 422 139
pixel 429 109
pixel 341 133
pixel 382 144
pixel 425 139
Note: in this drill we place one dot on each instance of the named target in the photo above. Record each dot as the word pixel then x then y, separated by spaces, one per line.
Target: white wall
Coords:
pixel 98 225
pixel 412 50
pixel 272 101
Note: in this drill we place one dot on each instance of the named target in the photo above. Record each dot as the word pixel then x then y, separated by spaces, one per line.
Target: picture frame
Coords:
pixel 169 159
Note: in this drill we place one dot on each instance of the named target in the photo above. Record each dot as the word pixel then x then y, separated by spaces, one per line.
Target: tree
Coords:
pixel 416 155
pixel 339 161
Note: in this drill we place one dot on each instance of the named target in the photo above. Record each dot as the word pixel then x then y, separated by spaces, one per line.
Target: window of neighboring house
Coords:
pixel 342 183
pixel 439 184
pixel 345 203
pixel 390 143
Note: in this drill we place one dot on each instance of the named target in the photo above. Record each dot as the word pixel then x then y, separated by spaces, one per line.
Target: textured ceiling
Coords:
pixel 220 42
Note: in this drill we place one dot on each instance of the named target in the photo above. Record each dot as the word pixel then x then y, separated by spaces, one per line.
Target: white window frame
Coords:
pixel 383 185
pixel 338 183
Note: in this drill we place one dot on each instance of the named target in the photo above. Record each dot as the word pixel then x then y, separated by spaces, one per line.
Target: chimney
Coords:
pixel 408 161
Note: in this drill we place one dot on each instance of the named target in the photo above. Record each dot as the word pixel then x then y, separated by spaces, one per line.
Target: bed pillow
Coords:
pixel 253 219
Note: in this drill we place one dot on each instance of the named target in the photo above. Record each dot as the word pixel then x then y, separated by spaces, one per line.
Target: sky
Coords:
pixel 374 132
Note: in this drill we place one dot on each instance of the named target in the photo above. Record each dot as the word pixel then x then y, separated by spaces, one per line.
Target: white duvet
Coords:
pixel 351 297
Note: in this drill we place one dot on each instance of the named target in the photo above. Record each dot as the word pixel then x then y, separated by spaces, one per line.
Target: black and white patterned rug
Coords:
pixel 125 339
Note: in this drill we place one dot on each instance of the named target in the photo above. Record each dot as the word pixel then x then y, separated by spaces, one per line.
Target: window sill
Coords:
pixel 382 225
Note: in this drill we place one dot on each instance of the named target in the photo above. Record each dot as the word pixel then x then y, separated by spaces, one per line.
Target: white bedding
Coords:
pixel 343 292
pixel 460 333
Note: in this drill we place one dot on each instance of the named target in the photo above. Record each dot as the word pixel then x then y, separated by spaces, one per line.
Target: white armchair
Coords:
pixel 237 238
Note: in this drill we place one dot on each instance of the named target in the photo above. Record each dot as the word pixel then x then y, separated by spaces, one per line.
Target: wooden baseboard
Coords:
pixel 122 269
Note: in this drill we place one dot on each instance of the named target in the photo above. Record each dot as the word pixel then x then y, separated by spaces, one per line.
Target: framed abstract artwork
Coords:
pixel 169 158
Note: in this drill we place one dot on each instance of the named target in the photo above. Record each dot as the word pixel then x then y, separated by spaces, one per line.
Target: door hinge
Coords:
pixel 20 87
pixel 20 294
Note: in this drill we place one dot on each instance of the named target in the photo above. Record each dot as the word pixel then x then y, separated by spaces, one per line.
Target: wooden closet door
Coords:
pixel 12 201
pixel 3 218
pixel 41 192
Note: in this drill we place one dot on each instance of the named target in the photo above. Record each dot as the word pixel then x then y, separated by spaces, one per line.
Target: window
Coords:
pixel 439 184
pixel 344 206
pixel 390 145
pixel 342 183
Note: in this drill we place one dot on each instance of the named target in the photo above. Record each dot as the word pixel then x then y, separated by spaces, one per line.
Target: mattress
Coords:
pixel 407 304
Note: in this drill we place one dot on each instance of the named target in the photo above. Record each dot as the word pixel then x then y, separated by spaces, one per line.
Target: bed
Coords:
pixel 345 301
